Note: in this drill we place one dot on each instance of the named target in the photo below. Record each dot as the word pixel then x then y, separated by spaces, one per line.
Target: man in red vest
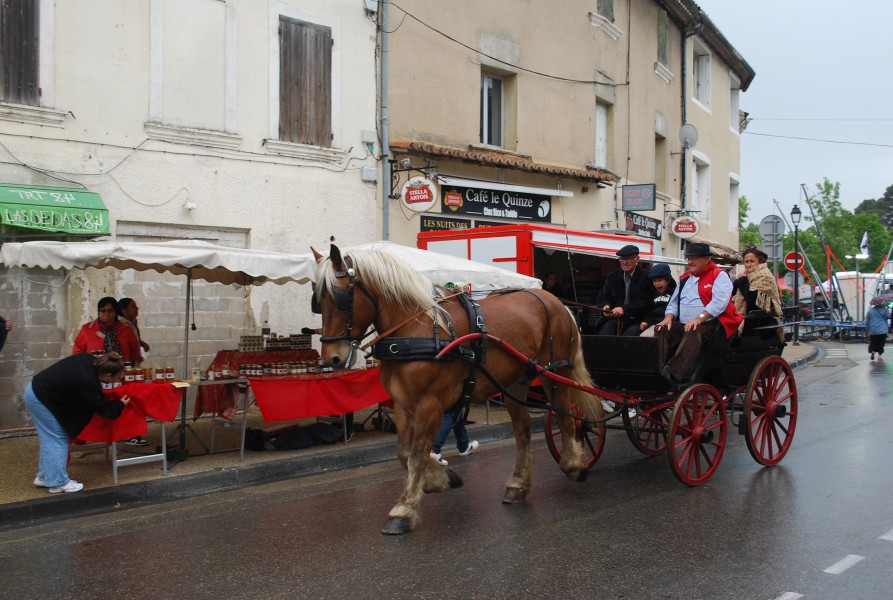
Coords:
pixel 701 303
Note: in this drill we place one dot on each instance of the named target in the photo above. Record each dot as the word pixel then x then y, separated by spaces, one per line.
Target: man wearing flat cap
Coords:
pixel 701 303
pixel 624 297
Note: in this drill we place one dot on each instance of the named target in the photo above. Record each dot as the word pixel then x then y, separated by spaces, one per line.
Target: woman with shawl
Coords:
pixel 757 290
pixel 107 334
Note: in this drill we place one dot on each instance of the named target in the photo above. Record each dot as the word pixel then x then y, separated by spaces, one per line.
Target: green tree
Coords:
pixel 750 233
pixel 842 232
pixel 882 207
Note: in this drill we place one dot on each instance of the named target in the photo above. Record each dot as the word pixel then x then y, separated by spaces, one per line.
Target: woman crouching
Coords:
pixel 61 400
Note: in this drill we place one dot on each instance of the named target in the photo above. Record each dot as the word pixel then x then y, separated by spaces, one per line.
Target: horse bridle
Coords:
pixel 344 303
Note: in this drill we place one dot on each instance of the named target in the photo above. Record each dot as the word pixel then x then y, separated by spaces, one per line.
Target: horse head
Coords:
pixel 347 307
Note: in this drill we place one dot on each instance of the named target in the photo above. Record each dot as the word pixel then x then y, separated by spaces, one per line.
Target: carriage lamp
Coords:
pixel 796 213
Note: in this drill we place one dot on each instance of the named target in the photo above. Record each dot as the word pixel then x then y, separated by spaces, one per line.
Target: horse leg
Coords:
pixel 573 462
pixel 518 484
pixel 424 474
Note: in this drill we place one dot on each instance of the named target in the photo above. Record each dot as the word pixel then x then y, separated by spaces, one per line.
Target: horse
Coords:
pixel 369 288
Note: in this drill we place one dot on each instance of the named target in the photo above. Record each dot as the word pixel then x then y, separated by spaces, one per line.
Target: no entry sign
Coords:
pixel 789 259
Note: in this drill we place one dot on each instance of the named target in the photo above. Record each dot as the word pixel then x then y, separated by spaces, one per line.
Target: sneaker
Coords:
pixel 69 488
pixel 39 482
pixel 872 356
pixel 880 358
pixel 136 441
pixel 472 446
pixel 439 459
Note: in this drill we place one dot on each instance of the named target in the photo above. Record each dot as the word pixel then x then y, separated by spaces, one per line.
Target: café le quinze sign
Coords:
pixel 496 203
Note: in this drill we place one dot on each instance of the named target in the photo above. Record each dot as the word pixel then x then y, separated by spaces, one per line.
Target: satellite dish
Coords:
pixel 688 135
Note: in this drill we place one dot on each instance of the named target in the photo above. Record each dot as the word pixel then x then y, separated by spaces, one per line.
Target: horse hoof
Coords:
pixel 514 496
pixel 455 480
pixel 582 476
pixel 397 526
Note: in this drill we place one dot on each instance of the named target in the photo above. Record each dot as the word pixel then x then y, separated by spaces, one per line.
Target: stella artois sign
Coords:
pixel 418 194
pixel 685 227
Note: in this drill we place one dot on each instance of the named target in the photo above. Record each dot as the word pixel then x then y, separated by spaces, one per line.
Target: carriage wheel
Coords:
pixel 648 429
pixel 697 435
pixel 590 435
pixel 770 408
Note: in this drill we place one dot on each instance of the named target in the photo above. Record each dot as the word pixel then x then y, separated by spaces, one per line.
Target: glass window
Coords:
pixel 19 39
pixel 492 110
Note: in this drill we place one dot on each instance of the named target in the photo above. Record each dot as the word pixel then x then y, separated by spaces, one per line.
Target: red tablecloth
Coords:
pixel 281 398
pixel 219 399
pixel 159 401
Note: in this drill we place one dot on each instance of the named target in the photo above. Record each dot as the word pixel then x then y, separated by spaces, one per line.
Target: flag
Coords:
pixel 863 247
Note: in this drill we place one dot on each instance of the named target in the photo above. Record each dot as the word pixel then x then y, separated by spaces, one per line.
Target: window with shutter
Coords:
pixel 305 83
pixel 19 26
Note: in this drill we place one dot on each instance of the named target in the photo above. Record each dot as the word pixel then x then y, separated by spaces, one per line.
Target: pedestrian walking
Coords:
pixel 453 420
pixel 876 324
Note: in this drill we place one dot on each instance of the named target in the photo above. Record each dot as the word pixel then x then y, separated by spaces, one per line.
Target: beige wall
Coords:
pixel 161 103
pixel 435 88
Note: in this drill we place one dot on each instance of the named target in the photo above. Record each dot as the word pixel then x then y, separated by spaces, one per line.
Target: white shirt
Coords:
pixel 690 305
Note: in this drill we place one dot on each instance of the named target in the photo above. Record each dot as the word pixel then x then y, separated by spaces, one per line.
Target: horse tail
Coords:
pixel 590 404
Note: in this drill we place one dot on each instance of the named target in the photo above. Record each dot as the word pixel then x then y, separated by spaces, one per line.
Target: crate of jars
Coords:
pixel 299 341
pixel 278 344
pixel 251 343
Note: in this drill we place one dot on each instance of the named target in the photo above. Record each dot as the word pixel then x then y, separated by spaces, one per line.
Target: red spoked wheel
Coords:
pixel 697 435
pixel 590 435
pixel 648 429
pixel 770 410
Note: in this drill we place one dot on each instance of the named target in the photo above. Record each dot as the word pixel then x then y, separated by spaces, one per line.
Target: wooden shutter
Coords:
pixel 19 21
pixel 305 83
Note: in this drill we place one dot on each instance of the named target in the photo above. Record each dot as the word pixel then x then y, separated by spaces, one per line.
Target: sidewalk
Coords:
pixel 21 503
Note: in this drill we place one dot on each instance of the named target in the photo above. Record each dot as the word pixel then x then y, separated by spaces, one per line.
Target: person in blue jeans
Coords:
pixel 61 400
pixel 453 420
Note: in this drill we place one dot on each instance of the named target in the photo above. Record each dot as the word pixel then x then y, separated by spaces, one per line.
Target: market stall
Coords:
pixel 193 258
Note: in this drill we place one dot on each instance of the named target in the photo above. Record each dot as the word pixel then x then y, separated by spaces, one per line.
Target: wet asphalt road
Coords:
pixel 630 531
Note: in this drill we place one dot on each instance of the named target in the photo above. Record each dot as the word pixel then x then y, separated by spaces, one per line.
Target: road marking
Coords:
pixel 845 563
pixel 888 536
pixel 790 596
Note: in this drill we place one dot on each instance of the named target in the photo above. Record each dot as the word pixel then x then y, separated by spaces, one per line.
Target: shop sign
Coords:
pixel 418 194
pixel 479 223
pixel 440 223
pixel 644 226
pixel 54 210
pixel 500 204
pixel 639 197
pixel 685 227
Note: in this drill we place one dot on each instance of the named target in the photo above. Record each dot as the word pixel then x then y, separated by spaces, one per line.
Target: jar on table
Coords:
pixel 129 376
pixel 159 375
pixel 169 374
pixel 137 376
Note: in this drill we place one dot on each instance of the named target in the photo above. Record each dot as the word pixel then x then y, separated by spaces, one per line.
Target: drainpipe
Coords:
pixel 383 110
pixel 684 78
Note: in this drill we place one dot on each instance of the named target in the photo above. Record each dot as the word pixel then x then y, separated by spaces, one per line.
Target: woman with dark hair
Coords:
pixel 61 400
pixel 756 294
pixel 107 334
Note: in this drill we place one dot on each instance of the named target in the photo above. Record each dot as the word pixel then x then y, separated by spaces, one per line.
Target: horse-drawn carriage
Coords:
pixel 743 378
pixel 437 351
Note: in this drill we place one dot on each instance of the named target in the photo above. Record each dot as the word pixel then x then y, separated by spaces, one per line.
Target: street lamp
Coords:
pixel 860 295
pixel 796 213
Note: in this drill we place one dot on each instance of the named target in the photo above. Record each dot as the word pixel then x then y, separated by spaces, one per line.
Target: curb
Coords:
pixel 133 495
pixel 799 362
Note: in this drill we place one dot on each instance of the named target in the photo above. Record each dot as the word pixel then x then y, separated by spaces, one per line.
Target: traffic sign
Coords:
pixel 789 259
pixel 772 249
pixel 771 228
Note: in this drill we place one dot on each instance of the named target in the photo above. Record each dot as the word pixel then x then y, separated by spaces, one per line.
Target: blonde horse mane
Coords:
pixel 397 285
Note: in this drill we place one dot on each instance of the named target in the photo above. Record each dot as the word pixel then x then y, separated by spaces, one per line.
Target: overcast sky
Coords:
pixel 823 71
